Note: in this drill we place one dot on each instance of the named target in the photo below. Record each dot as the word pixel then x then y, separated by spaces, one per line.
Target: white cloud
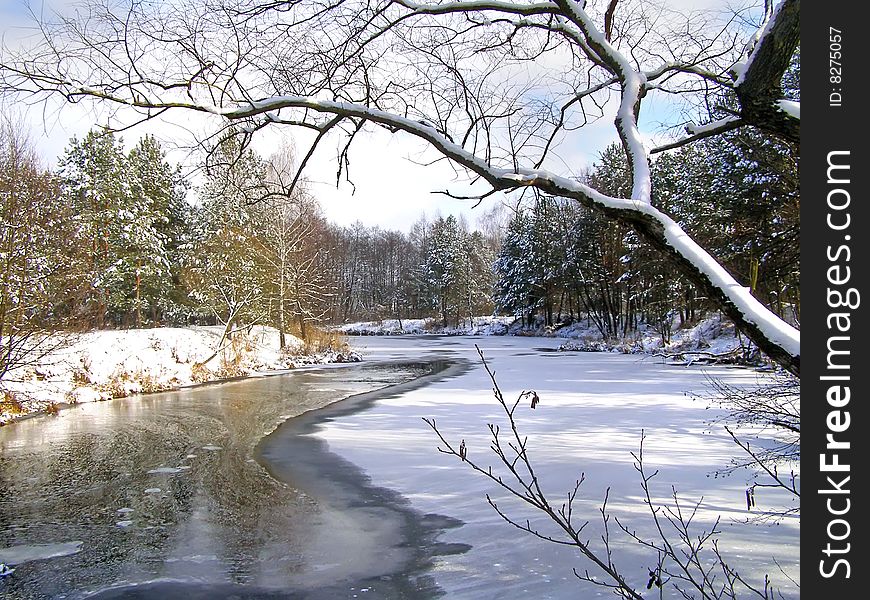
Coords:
pixel 393 187
pixel 393 178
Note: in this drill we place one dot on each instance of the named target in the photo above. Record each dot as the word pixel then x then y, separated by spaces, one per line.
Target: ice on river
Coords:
pixel 592 412
pixel 227 515
pixel 15 555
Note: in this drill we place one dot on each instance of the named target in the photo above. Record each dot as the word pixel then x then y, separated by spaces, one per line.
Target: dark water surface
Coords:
pixel 180 495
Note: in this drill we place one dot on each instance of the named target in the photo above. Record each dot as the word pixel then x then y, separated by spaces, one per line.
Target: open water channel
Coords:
pixel 180 495
pixel 325 483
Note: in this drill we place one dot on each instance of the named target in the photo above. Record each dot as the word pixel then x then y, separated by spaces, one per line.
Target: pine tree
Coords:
pixel 95 186
pixel 445 267
pixel 479 276
pixel 416 289
pixel 159 191
pixel 130 213
pixel 514 268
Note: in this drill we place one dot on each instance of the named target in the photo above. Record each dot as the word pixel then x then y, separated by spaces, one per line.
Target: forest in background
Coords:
pixel 110 238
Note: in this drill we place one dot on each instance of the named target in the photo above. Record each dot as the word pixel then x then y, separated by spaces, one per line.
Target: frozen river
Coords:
pixel 179 495
pixel 593 408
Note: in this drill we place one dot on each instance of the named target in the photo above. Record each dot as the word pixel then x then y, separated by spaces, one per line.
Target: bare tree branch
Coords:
pixel 493 86
pixel 687 558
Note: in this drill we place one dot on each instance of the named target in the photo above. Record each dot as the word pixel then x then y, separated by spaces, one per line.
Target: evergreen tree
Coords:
pixel 756 180
pixel 93 177
pixel 479 276
pixel 739 194
pixel 130 213
pixel 416 290
pixel 445 267
pixel 514 268
pixel 160 193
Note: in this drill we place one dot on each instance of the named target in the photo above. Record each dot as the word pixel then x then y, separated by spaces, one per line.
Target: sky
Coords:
pixel 392 187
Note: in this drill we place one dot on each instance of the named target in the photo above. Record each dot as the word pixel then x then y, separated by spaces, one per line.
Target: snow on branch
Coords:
pixel 516 8
pixel 331 67
pixel 757 80
pixel 699 132
pixel 758 84
pixel 791 108
pixel 628 210
pixel 755 44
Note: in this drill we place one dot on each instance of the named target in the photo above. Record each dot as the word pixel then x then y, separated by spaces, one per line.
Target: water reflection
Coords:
pixel 164 491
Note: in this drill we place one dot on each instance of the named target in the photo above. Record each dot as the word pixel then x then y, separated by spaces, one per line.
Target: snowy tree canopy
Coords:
pixel 128 209
pixel 497 87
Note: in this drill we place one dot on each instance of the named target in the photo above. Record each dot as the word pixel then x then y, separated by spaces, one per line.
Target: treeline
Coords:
pixel 738 195
pixel 110 239
pixel 439 269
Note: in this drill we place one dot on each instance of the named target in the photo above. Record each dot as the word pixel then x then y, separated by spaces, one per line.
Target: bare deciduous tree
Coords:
pixel 287 222
pixel 36 278
pixel 497 87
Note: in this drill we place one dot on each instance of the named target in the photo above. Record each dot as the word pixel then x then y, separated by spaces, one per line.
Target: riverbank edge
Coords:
pixel 107 365
pixel 336 484
pixel 62 406
pixel 712 340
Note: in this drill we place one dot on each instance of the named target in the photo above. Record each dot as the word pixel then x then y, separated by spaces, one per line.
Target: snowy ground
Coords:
pixel 593 410
pixel 100 365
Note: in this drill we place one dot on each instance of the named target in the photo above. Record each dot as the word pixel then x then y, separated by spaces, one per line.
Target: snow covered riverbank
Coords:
pixel 594 408
pixel 100 365
pixel 714 335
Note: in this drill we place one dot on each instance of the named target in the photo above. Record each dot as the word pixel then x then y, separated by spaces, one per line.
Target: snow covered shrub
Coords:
pixel 234 356
pixel 200 373
pixel 17 404
pixel 430 325
pixel 9 403
pixel 124 383
pixel 149 383
pixel 496 328
pixel 82 375
pixel 321 340
pixel 229 367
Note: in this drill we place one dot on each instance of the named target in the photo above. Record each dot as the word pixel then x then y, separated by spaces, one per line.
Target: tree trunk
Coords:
pixel 137 317
pixel 282 336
